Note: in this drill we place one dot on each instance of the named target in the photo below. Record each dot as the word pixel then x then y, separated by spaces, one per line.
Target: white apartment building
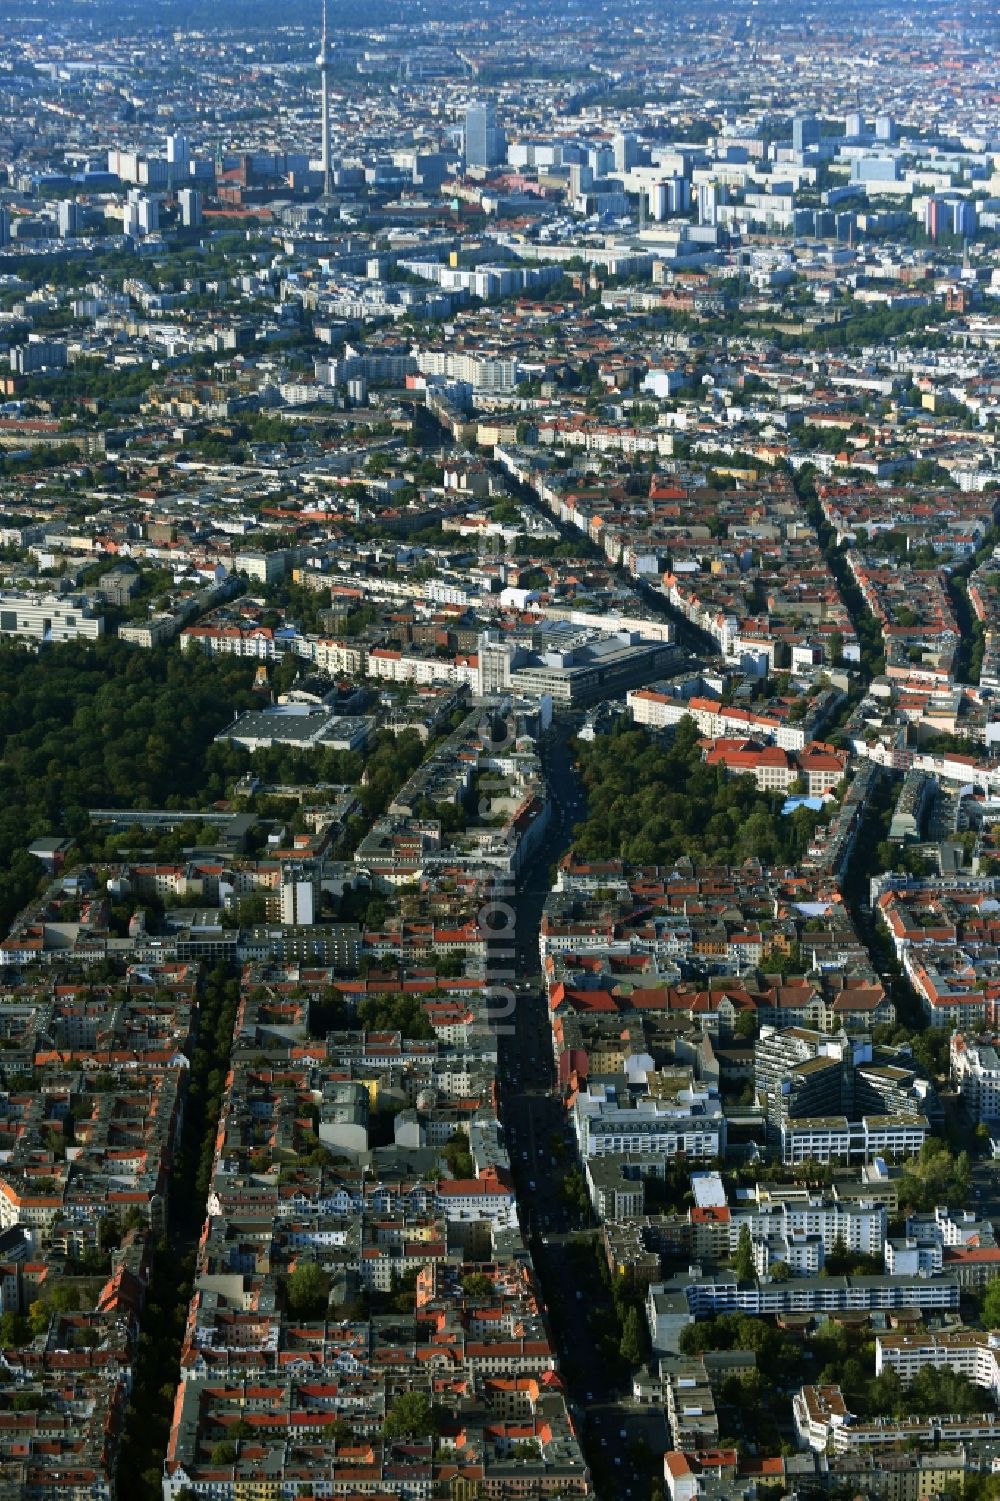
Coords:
pixel 332 656
pixel 707 1296
pixel 837 1139
pixel 804 1255
pixel 397 667
pixel 479 371
pixel 975 1072
pixel 299 892
pixel 263 567
pixel 946 1228
pixel 910 1257
pixel 860 1226
pixel 155 631
pixel 974 1353
pixel 36 1210
pixel 720 721
pixel 658 710
pixel 38 354
pixel 818 1411
pixel 477 1199
pixel 232 640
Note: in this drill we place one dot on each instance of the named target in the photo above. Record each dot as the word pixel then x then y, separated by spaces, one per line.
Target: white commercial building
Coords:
pixel 49 617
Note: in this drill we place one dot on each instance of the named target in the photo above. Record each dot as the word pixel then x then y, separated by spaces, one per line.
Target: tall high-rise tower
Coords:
pixel 485 141
pixel 323 64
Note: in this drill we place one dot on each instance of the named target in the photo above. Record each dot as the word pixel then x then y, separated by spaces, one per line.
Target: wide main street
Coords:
pixel 617 1436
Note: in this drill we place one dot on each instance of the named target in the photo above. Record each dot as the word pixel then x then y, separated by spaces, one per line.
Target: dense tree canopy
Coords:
pixel 410 1416
pixel 307 1291
pixel 935 1176
pixel 102 725
pixel 653 801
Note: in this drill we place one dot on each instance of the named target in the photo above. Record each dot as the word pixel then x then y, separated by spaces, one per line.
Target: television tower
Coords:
pixel 323 64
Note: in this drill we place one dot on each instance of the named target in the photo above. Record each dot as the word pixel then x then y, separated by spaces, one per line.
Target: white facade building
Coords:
pixel 975 1072
pixel 49 617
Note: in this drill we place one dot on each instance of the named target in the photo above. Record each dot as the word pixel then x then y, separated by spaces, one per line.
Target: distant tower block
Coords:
pixel 323 64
